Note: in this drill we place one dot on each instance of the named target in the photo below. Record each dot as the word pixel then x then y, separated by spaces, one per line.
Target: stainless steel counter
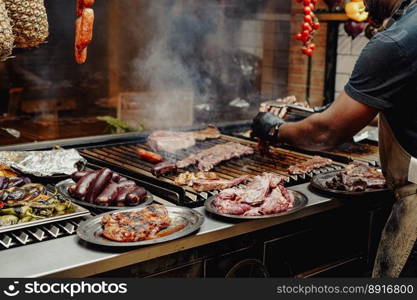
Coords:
pixel 71 257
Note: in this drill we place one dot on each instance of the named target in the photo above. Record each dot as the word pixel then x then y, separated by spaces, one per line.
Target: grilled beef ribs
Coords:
pixel 209 158
pixel 265 195
pixel 315 163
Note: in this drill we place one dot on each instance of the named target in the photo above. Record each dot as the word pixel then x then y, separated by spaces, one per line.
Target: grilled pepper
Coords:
pixel 356 11
pixel 8 220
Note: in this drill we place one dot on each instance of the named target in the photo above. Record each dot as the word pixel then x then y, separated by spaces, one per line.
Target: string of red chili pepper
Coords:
pixel 309 26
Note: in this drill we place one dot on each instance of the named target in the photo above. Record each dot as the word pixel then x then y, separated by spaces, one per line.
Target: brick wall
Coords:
pixel 267 35
pixel 348 51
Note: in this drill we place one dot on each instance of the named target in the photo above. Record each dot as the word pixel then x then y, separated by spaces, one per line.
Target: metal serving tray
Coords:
pixel 91 229
pixel 300 201
pixel 319 182
pixel 63 190
pixel 79 212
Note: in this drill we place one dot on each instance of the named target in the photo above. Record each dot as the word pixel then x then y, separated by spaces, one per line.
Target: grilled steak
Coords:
pixel 204 185
pixel 170 141
pixel 210 133
pixel 135 226
pixel 315 163
pixel 188 178
pixel 357 177
pixel 265 195
pixel 209 158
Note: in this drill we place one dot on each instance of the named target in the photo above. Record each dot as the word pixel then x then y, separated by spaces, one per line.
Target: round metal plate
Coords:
pixel 63 190
pixel 319 182
pixel 300 201
pixel 91 230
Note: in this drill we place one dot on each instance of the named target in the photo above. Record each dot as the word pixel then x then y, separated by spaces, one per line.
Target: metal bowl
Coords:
pixel 300 201
pixel 63 190
pixel 91 230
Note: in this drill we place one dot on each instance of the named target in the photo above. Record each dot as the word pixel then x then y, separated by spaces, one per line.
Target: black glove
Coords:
pixel 265 126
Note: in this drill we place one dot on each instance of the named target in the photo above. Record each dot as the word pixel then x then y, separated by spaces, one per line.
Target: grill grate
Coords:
pixel 123 158
pixel 38 234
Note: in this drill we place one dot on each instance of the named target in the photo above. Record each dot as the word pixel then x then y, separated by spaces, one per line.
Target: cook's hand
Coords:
pixel 264 125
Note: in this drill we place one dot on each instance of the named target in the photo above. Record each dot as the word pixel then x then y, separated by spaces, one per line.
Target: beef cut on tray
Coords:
pixel 357 177
pixel 265 195
pixel 211 157
pixel 315 163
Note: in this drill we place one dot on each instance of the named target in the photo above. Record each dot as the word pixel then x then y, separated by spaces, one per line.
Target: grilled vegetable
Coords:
pixel 149 156
pixel 20 211
pixel 8 220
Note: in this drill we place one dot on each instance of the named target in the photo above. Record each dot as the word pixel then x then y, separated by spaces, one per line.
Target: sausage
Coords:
pixel 136 197
pixel 84 185
pixel 118 178
pixel 149 156
pixel 126 183
pixel 76 176
pixel 107 195
pixel 122 193
pixel 164 168
pixel 85 33
pixel 102 180
pixel 71 189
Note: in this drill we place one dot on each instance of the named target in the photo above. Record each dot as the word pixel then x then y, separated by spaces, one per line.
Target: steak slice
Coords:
pixel 209 158
pixel 170 141
pixel 204 185
pixel 315 163
pixel 211 132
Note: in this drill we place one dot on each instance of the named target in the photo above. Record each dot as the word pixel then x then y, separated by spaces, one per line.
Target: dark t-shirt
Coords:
pixel 385 77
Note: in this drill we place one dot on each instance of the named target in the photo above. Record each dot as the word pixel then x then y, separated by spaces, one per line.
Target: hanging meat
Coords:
pixel 83 29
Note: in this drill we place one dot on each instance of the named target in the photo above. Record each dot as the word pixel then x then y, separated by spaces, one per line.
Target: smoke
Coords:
pixel 191 54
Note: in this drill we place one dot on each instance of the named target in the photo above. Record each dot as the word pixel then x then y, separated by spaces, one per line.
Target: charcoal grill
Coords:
pixel 123 158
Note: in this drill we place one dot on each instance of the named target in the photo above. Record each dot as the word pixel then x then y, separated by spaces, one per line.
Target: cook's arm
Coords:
pixel 341 121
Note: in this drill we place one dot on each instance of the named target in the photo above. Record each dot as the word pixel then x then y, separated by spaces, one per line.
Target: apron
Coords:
pixel 400 231
pixel 400 170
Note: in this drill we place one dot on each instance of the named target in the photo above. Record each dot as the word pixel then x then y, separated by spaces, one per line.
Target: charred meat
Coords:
pixel 163 168
pixel 211 157
pixel 265 195
pixel 188 178
pixel 170 141
pixel 204 185
pixel 357 177
pixel 315 163
pixel 211 132
pixel 136 226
